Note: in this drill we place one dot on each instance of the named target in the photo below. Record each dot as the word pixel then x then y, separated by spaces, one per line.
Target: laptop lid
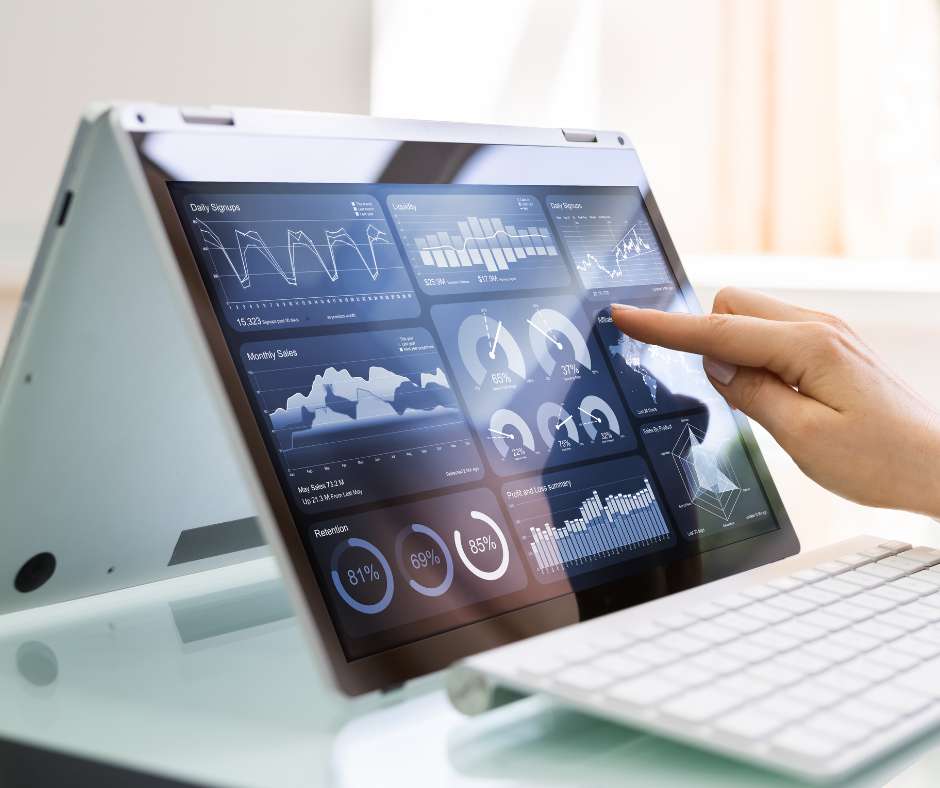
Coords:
pixel 411 322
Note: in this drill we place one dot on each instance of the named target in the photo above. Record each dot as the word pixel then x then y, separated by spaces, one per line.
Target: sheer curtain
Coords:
pixel 783 126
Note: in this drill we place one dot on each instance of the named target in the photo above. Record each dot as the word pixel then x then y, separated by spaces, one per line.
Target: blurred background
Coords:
pixel 793 145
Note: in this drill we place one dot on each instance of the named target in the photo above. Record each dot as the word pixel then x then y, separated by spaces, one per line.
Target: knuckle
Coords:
pixel 825 339
pixel 748 391
pixel 724 299
pixel 717 322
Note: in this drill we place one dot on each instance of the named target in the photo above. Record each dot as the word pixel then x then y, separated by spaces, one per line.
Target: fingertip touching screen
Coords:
pixel 459 428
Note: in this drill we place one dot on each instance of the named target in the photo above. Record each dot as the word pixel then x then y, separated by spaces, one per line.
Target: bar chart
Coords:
pixel 472 243
pixel 584 519
pixel 485 242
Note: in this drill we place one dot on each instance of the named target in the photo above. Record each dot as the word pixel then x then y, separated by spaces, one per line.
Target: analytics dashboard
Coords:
pixel 458 426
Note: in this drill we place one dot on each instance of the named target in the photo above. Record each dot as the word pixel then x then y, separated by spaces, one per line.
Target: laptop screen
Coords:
pixel 457 424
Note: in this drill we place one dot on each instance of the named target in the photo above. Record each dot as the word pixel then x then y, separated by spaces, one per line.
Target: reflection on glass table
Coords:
pixel 207 678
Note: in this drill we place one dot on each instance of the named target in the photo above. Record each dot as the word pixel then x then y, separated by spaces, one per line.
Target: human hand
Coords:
pixel 817 388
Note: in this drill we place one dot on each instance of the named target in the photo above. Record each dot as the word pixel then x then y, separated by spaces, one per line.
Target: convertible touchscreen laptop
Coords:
pixel 391 343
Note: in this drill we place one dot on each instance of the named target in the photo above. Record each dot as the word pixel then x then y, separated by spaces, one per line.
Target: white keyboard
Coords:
pixel 814 666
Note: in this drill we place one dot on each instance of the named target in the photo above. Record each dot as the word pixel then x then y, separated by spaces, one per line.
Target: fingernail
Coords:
pixel 615 307
pixel 719 370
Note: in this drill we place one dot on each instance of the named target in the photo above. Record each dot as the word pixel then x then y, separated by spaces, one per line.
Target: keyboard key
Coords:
pixel 830 651
pixel 785 583
pixel 682 643
pixel 768 613
pixel 796 628
pixel 922 678
pixel 733 601
pixel 825 621
pixel 717 662
pixel 620 666
pixel 898 595
pixel 854 559
pixel 739 623
pixel 651 653
pixel 871 601
pixel 643 691
pixel 810 575
pixel 676 621
pixel 817 596
pixel 854 640
pixel 927 613
pixel 701 705
pixel 686 674
pixel 861 579
pixel 880 570
pixel 848 611
pixel 896 546
pixel 892 658
pixel 878 629
pixel 642 630
pixel 746 651
pixel 792 603
pixel 774 640
pixel 828 724
pixel 896 698
pixel 931 576
pixel 749 724
pixel 907 565
pixel 798 743
pixel 584 679
pixel 802 661
pixel 869 669
pixel 926 556
pixel 899 620
pixel 786 709
pixel 745 685
pixel 712 632
pixel 843 682
pixel 875 716
pixel 760 592
pixel 608 641
pixel 815 694
pixel 776 674
pixel 706 610
pixel 878 552
pixel 918 587
pixel 832 567
pixel 834 585
pixel 917 647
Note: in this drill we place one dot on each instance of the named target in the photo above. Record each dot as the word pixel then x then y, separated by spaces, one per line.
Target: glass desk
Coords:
pixel 206 679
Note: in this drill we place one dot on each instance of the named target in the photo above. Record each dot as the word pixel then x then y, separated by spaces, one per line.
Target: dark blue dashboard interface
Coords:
pixel 459 428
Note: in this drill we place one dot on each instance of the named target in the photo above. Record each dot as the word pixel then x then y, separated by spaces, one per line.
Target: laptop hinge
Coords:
pixel 579 135
pixel 207 116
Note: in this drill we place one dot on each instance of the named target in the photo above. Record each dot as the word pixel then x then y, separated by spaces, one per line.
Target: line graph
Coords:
pixel 611 242
pixel 361 415
pixel 302 259
pixel 461 243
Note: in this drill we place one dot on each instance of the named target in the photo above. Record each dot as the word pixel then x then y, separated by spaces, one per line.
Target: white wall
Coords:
pixel 55 56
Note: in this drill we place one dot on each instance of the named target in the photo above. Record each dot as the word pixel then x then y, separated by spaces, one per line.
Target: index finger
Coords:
pixel 736 339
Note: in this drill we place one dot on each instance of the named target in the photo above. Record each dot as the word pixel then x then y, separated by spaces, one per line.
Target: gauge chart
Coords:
pixel 401 564
pixel 291 260
pixel 534 381
pixel 654 380
pixel 612 244
pixel 474 243
pixel 361 417
pixel 577 521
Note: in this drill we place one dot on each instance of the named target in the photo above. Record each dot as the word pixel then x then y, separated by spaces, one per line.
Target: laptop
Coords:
pixel 388 345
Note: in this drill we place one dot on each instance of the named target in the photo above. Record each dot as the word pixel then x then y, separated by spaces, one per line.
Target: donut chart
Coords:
pixel 362 575
pixel 484 544
pixel 425 558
